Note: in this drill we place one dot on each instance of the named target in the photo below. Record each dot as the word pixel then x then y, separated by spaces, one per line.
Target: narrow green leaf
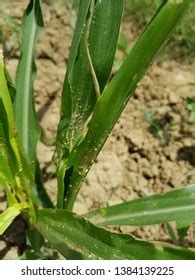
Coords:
pixel 26 120
pixel 7 217
pixel 116 95
pixel 25 116
pixel 79 97
pixel 8 151
pixel 17 180
pixel 63 145
pixel 79 94
pixel 63 228
pixel 15 175
pixel 177 205
pixel 4 93
pixel 64 142
pixel 6 176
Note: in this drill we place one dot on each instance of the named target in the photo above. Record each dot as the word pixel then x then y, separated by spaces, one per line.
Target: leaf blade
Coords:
pixel 78 96
pixel 177 205
pixel 15 174
pixel 25 116
pixel 63 228
pixel 7 217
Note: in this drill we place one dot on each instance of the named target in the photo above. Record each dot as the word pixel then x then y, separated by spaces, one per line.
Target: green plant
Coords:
pixel 89 109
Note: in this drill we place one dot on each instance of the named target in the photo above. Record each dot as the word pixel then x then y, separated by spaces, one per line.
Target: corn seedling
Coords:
pixel 90 107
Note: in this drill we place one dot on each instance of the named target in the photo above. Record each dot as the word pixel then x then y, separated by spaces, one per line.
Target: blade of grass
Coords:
pixel 116 95
pixel 177 205
pixel 63 228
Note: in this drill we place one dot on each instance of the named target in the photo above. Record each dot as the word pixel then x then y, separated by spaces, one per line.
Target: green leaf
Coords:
pixel 6 176
pixel 9 162
pixel 63 228
pixel 25 116
pixel 5 95
pixel 26 120
pixel 177 205
pixel 7 217
pixel 79 95
pixel 17 180
pixel 36 240
pixel 15 175
pixel 116 95
pixel 10 85
pixel 62 145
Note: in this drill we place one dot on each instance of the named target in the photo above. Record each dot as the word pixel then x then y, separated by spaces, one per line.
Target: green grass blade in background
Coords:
pixel 63 228
pixel 116 95
pixel 177 205
pixel 79 96
pixel 25 116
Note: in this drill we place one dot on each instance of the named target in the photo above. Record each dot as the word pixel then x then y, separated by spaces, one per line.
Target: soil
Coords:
pixel 133 163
